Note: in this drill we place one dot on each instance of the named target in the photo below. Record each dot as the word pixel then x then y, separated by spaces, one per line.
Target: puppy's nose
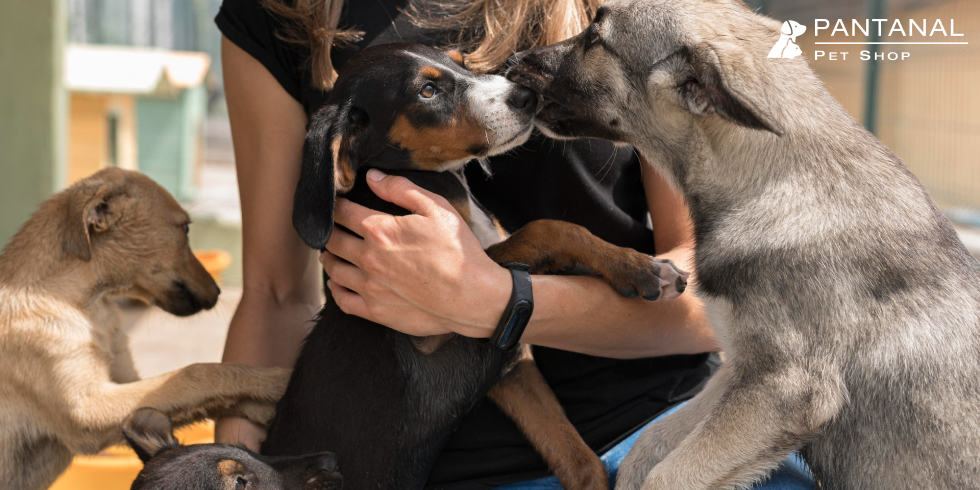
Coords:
pixel 522 99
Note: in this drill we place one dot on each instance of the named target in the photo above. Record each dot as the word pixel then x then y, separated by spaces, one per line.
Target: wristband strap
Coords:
pixel 519 309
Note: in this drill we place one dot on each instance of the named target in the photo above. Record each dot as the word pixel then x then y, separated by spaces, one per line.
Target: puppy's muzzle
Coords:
pixel 529 77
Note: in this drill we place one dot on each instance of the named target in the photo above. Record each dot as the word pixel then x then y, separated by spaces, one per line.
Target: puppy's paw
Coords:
pixel 258 412
pixel 642 276
pixel 589 476
pixel 271 383
pixel 673 281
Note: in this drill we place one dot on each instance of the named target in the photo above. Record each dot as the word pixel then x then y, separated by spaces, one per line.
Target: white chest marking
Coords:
pixel 483 227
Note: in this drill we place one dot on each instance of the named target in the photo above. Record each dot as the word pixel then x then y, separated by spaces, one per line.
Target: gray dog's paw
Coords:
pixel 642 276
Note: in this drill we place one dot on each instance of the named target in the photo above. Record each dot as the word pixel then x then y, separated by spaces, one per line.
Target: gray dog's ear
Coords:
pixel 89 210
pixel 726 83
pixel 149 432
pixel 329 166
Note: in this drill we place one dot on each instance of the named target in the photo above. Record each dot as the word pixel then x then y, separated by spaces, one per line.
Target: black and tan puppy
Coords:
pixel 386 402
pixel 150 432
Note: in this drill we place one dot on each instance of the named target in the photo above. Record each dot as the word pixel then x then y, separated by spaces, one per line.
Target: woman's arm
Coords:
pixel 281 280
pixel 426 274
pixel 583 314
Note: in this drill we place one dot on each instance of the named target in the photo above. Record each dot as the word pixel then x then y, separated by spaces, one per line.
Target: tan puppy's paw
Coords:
pixel 258 412
pixel 262 383
pixel 278 381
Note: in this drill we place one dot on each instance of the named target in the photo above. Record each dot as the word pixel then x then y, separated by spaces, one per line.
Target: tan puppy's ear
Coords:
pixel 727 82
pixel 89 210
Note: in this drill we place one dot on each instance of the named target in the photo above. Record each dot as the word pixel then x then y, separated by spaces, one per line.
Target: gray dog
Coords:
pixel 846 305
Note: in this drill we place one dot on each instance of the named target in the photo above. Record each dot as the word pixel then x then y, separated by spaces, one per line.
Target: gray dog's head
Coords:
pixel 655 69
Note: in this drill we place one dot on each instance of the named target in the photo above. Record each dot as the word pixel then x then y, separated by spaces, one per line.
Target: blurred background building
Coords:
pixel 925 108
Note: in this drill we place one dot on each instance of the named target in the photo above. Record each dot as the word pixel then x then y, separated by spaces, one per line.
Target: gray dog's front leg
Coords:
pixel 658 440
pixel 760 417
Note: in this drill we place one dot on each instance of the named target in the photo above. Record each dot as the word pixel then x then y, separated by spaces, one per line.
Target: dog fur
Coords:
pixel 846 305
pixel 150 432
pixel 386 402
pixel 67 378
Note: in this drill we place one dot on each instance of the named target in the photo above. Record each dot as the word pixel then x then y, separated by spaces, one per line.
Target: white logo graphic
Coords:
pixel 786 46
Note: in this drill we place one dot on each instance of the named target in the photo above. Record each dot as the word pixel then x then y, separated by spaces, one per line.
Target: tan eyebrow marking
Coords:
pixel 230 467
pixel 456 56
pixel 430 72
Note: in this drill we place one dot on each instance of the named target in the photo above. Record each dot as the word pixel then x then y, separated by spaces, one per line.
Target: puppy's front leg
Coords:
pixel 524 396
pixel 123 369
pixel 553 246
pixel 762 415
pixel 187 395
pixel 658 440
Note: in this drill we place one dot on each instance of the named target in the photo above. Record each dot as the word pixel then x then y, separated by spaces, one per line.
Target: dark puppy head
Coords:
pixel 171 466
pixel 654 69
pixel 403 106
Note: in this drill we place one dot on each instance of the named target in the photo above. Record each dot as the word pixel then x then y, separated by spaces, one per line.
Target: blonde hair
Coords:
pixel 314 24
pixel 489 31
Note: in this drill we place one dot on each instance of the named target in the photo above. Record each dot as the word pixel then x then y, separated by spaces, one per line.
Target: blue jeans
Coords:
pixel 793 474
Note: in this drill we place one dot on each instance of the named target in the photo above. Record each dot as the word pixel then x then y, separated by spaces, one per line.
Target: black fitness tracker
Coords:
pixel 519 308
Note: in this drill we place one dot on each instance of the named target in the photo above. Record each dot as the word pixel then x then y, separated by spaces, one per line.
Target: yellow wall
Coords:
pixel 928 105
pixel 88 138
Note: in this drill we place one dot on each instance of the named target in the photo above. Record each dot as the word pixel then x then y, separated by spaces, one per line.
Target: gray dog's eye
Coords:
pixel 594 39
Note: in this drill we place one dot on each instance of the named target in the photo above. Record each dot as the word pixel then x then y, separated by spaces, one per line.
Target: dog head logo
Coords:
pixel 786 46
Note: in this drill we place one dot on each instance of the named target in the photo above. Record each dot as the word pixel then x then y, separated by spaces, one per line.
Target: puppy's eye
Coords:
pixel 241 484
pixel 428 91
pixel 186 227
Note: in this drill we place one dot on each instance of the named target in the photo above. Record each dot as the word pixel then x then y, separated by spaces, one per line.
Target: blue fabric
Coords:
pixel 793 474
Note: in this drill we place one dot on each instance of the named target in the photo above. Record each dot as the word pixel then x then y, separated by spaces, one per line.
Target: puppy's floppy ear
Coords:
pixel 149 432
pixel 727 82
pixel 89 210
pixel 330 162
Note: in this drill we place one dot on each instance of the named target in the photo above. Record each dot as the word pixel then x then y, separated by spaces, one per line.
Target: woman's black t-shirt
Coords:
pixel 588 182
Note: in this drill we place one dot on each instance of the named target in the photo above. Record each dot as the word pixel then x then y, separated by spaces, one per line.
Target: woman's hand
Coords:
pixel 238 431
pixel 421 274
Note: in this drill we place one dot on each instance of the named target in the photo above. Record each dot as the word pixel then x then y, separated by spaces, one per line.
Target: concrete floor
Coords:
pixel 161 342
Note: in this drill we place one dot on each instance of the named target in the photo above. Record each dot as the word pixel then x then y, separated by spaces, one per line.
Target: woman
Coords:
pixel 614 363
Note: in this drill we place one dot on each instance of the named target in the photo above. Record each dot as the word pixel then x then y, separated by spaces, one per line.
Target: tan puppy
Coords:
pixel 67 378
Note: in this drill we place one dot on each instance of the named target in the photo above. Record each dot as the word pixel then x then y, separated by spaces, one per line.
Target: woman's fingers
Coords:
pixel 240 432
pixel 353 216
pixel 342 273
pixel 346 246
pixel 348 301
pixel 410 321
pixel 404 193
